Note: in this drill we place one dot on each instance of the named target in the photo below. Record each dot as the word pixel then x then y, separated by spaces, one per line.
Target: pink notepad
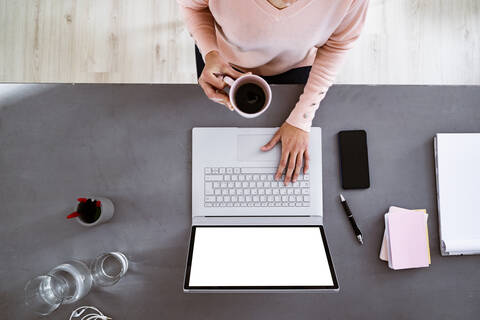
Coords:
pixel 384 248
pixel 407 245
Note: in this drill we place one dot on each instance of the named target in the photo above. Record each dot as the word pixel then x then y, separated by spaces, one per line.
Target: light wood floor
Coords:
pixel 128 41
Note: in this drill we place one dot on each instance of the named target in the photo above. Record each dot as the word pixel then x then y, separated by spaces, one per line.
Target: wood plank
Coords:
pixel 417 42
pixel 127 41
pixel 115 41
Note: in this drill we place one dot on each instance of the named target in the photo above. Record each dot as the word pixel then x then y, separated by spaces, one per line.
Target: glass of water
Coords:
pixel 64 284
pixel 76 274
pixel 44 294
pixel 72 280
pixel 108 268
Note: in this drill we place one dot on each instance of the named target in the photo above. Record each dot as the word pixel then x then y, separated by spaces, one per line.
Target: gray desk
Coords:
pixel 132 144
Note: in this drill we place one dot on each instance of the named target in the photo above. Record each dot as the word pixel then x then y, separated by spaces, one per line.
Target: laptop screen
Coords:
pixel 259 257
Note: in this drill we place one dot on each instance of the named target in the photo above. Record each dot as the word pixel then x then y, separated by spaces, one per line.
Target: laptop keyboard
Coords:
pixel 253 187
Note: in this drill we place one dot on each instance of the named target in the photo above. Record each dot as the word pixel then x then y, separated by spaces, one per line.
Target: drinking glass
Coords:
pixel 76 274
pixel 44 294
pixel 72 280
pixel 108 268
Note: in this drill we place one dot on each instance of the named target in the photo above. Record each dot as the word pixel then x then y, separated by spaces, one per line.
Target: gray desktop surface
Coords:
pixel 132 143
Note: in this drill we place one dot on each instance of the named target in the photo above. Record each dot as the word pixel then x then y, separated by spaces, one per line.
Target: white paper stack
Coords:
pixel 457 159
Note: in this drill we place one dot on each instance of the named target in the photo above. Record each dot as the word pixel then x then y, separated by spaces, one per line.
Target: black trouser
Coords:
pixel 294 76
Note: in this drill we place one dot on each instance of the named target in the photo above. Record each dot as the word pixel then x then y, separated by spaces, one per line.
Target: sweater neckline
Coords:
pixel 287 11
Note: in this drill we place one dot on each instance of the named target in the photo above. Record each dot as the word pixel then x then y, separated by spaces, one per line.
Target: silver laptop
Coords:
pixel 250 232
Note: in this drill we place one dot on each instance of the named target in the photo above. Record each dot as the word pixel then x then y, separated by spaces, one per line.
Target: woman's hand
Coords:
pixel 294 151
pixel 210 80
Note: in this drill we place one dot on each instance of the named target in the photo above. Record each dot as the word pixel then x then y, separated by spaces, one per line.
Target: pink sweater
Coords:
pixel 257 37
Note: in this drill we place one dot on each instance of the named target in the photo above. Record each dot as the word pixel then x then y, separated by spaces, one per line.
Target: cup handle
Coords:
pixel 228 80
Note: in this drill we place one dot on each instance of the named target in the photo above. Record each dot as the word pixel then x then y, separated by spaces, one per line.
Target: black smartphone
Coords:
pixel 354 159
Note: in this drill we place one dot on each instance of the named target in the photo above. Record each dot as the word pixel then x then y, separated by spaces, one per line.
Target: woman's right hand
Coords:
pixel 211 78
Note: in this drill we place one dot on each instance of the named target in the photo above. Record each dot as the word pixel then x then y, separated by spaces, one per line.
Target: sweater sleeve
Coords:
pixel 327 61
pixel 200 23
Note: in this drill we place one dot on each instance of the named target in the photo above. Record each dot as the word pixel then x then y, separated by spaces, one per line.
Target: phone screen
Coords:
pixel 354 159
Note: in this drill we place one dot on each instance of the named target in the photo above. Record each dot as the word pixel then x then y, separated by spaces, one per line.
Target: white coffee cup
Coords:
pixel 248 78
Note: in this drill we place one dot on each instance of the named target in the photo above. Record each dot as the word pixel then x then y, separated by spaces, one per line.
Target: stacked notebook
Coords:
pixel 405 241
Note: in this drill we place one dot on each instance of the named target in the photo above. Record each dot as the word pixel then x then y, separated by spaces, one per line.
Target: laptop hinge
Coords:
pixel 257 220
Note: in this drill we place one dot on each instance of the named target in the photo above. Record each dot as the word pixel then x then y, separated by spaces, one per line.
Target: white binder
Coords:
pixel 457 162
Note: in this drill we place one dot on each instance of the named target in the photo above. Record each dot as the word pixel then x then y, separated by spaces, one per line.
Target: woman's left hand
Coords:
pixel 294 151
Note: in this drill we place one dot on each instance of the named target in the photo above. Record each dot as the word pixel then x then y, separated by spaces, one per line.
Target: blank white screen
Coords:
pixel 259 256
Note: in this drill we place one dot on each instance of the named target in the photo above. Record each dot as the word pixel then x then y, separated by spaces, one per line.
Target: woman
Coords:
pixel 276 37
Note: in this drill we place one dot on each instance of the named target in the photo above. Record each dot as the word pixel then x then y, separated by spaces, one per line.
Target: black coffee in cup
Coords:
pixel 250 98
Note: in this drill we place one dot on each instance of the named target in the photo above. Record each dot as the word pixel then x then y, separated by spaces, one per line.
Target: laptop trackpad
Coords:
pixel 248 148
